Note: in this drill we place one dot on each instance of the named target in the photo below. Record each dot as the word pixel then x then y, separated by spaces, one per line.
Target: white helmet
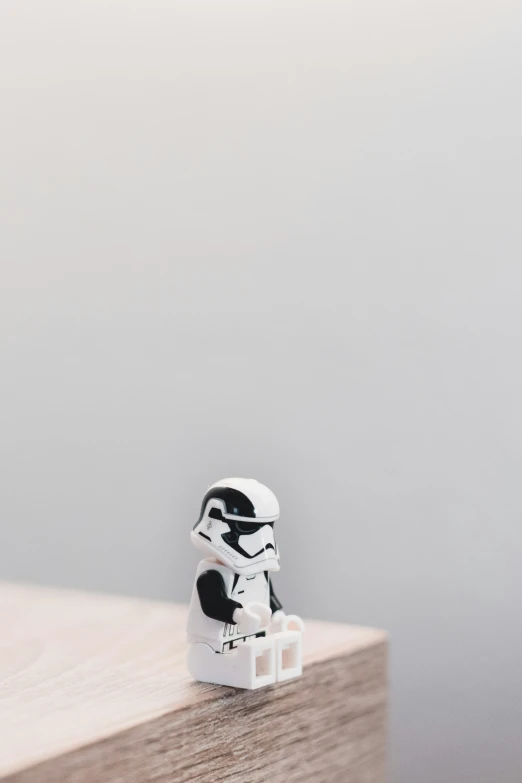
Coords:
pixel 236 525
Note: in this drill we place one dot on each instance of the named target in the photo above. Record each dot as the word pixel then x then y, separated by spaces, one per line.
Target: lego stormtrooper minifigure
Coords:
pixel 238 632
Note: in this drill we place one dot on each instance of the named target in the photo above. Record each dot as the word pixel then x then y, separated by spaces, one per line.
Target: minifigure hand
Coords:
pixel 248 622
pixel 285 622
pixel 294 623
pixel 262 610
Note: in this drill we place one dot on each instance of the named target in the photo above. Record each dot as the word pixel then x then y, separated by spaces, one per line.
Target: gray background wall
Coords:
pixel 281 240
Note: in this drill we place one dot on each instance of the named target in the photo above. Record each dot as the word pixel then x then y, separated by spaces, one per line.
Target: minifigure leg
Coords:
pixel 289 655
pixel 251 665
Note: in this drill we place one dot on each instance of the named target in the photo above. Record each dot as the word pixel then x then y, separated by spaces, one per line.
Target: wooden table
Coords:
pixel 94 689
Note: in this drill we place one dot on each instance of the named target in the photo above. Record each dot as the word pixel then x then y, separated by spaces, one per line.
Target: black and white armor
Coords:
pixel 217 593
pixel 233 609
pixel 236 525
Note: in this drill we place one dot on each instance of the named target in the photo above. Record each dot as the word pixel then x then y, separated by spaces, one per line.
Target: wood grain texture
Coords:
pixel 94 689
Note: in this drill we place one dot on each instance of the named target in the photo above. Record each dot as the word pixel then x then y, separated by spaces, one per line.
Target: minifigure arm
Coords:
pixel 275 603
pixel 213 598
pixel 281 621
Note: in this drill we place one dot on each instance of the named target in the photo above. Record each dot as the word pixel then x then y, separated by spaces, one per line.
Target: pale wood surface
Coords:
pixel 94 688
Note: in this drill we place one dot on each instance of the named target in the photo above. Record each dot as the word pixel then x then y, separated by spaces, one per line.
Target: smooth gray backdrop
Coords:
pixel 281 240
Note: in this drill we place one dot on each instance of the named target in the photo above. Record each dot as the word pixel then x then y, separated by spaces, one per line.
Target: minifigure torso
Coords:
pixel 221 636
